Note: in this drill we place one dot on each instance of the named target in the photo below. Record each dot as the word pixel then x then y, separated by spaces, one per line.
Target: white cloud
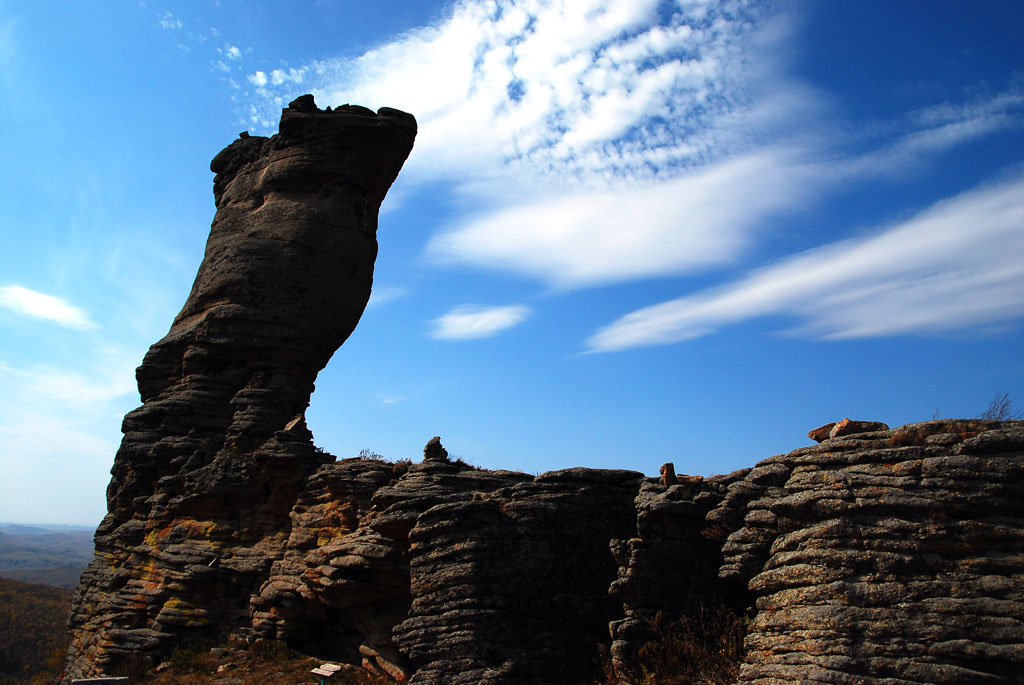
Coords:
pixel 7 44
pixel 38 305
pixel 705 217
pixel 953 266
pixel 169 21
pixel 382 294
pixel 469 322
pixel 934 130
pixel 59 432
pixel 232 52
pixel 282 76
pixel 603 141
pixel 49 385
pixel 259 79
pixel 571 92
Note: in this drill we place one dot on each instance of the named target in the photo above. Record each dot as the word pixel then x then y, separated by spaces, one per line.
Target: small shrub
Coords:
pixel 134 666
pixel 704 647
pixel 272 650
pixel 191 657
pixel 1001 409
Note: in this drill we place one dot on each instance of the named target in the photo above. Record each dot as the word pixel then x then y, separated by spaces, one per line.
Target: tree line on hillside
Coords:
pixel 33 632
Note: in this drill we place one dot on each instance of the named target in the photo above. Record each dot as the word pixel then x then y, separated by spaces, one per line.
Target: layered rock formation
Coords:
pixel 884 555
pixel 669 566
pixel 439 572
pixel 212 462
pixel 895 556
pixel 878 555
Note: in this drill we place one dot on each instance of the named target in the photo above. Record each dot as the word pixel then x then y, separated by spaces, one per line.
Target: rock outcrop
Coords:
pixel 891 556
pixel 670 564
pixel 212 462
pixel 876 555
pixel 443 573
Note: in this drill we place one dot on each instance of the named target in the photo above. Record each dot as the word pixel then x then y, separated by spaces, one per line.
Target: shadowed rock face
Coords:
pixel 211 463
pixel 286 276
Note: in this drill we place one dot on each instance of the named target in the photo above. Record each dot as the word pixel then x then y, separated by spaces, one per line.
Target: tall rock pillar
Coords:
pixel 212 461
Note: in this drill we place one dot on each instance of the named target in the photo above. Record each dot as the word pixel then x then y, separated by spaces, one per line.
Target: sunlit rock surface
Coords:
pixel 890 556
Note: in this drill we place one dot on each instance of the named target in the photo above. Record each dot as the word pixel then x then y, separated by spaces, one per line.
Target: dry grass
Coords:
pixel 705 647
pixel 263 663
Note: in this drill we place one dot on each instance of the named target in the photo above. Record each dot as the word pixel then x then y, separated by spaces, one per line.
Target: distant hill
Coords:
pixel 58 576
pixel 33 631
pixel 53 555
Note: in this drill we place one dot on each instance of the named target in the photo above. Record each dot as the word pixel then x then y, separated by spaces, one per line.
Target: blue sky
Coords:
pixel 630 231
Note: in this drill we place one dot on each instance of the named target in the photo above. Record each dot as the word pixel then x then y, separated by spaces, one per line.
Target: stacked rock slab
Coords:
pixel 511 586
pixel 438 572
pixel 212 462
pixel 892 556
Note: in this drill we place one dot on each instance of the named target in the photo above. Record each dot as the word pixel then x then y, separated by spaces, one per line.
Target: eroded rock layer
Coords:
pixel 892 556
pixel 511 586
pixel 670 564
pixel 441 573
pixel 212 462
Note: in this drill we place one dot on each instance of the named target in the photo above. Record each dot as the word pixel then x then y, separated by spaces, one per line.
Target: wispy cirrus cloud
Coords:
pixel 37 305
pixel 600 139
pixel 470 322
pixel 590 238
pixel 169 22
pixel 7 43
pixel 603 142
pixel 384 294
pixel 49 385
pixel 933 130
pixel 952 266
pixel 577 93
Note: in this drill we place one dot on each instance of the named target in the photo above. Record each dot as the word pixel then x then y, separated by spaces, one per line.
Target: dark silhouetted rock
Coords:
pixel 434 451
pixel 212 462
pixel 670 565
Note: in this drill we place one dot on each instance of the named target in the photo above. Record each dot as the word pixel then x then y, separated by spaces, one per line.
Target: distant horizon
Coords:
pixel 58 526
pixel 91 527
